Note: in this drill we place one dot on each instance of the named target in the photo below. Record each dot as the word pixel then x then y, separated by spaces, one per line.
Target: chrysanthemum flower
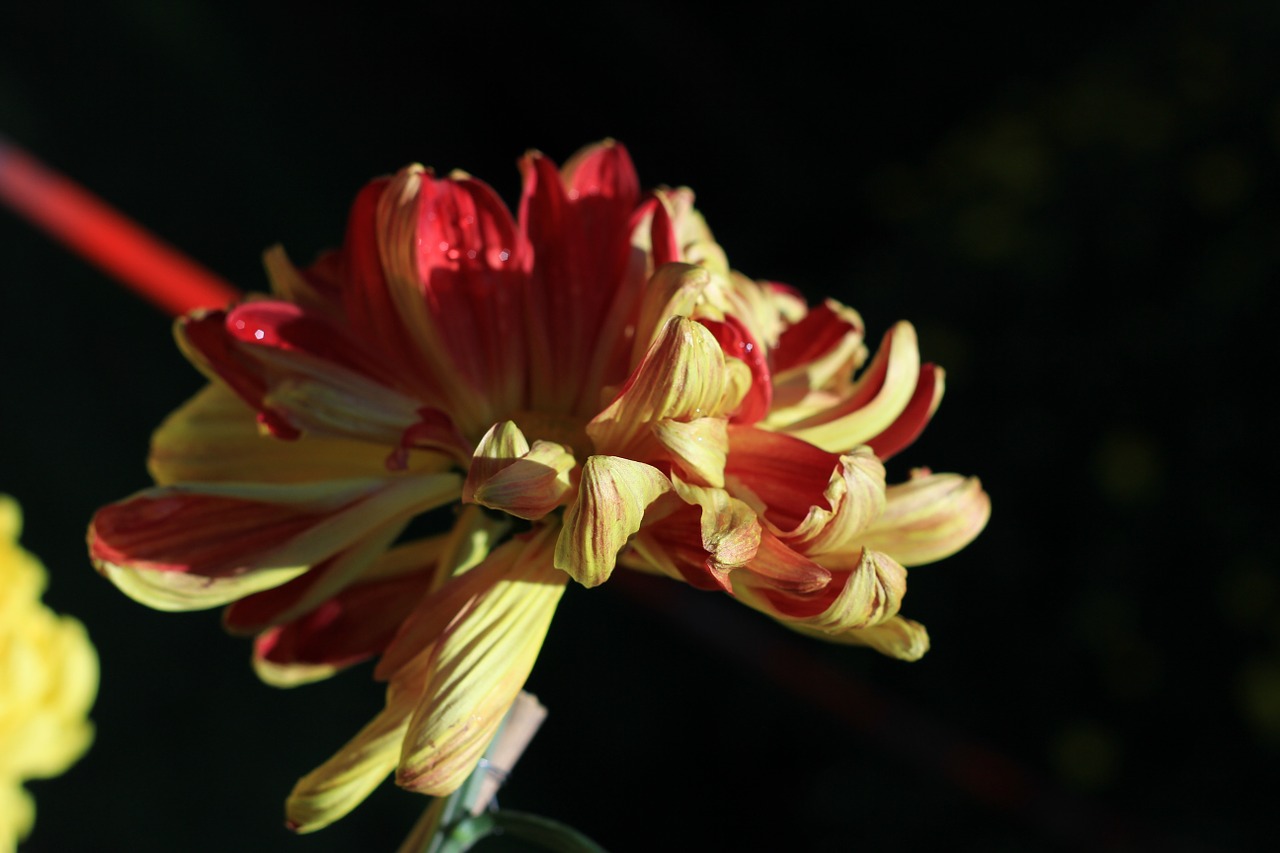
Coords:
pixel 48 680
pixel 593 383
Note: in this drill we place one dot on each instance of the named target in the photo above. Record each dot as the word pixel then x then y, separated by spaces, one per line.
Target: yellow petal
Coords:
pixel 896 637
pixel 872 594
pixel 929 517
pixel 682 377
pixel 507 474
pixel 344 781
pixel 215 437
pixel 730 528
pixel 466 568
pixel 612 498
pixel 674 290
pixel 479 666
pixel 699 446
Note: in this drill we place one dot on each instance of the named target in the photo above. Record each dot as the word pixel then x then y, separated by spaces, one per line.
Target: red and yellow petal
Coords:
pixel 929 517
pixel 869 407
pixel 202 545
pixel 855 599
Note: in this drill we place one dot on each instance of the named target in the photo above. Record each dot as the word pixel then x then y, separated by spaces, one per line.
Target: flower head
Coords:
pixel 596 387
pixel 48 680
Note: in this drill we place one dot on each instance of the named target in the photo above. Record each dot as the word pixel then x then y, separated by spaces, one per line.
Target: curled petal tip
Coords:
pixel 930 517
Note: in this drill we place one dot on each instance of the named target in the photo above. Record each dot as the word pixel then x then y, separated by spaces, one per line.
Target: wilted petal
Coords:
pixel 896 637
pixel 612 498
pixel 929 517
pixel 479 666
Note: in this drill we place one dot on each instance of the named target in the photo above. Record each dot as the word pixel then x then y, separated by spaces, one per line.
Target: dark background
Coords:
pixel 1076 205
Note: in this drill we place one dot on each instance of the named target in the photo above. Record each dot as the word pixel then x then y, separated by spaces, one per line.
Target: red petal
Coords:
pixel 288 327
pixel 579 229
pixel 354 625
pixel 736 341
pixel 206 334
pixel 819 332
pixel 207 535
pixel 783 569
pixel 907 428
pixel 367 303
pixel 788 474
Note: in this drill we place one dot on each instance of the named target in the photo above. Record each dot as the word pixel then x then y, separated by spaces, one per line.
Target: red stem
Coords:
pixel 107 238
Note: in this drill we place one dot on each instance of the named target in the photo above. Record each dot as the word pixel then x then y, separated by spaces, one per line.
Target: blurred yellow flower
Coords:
pixel 48 681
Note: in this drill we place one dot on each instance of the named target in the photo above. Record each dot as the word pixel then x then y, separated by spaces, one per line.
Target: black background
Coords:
pixel 1077 207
